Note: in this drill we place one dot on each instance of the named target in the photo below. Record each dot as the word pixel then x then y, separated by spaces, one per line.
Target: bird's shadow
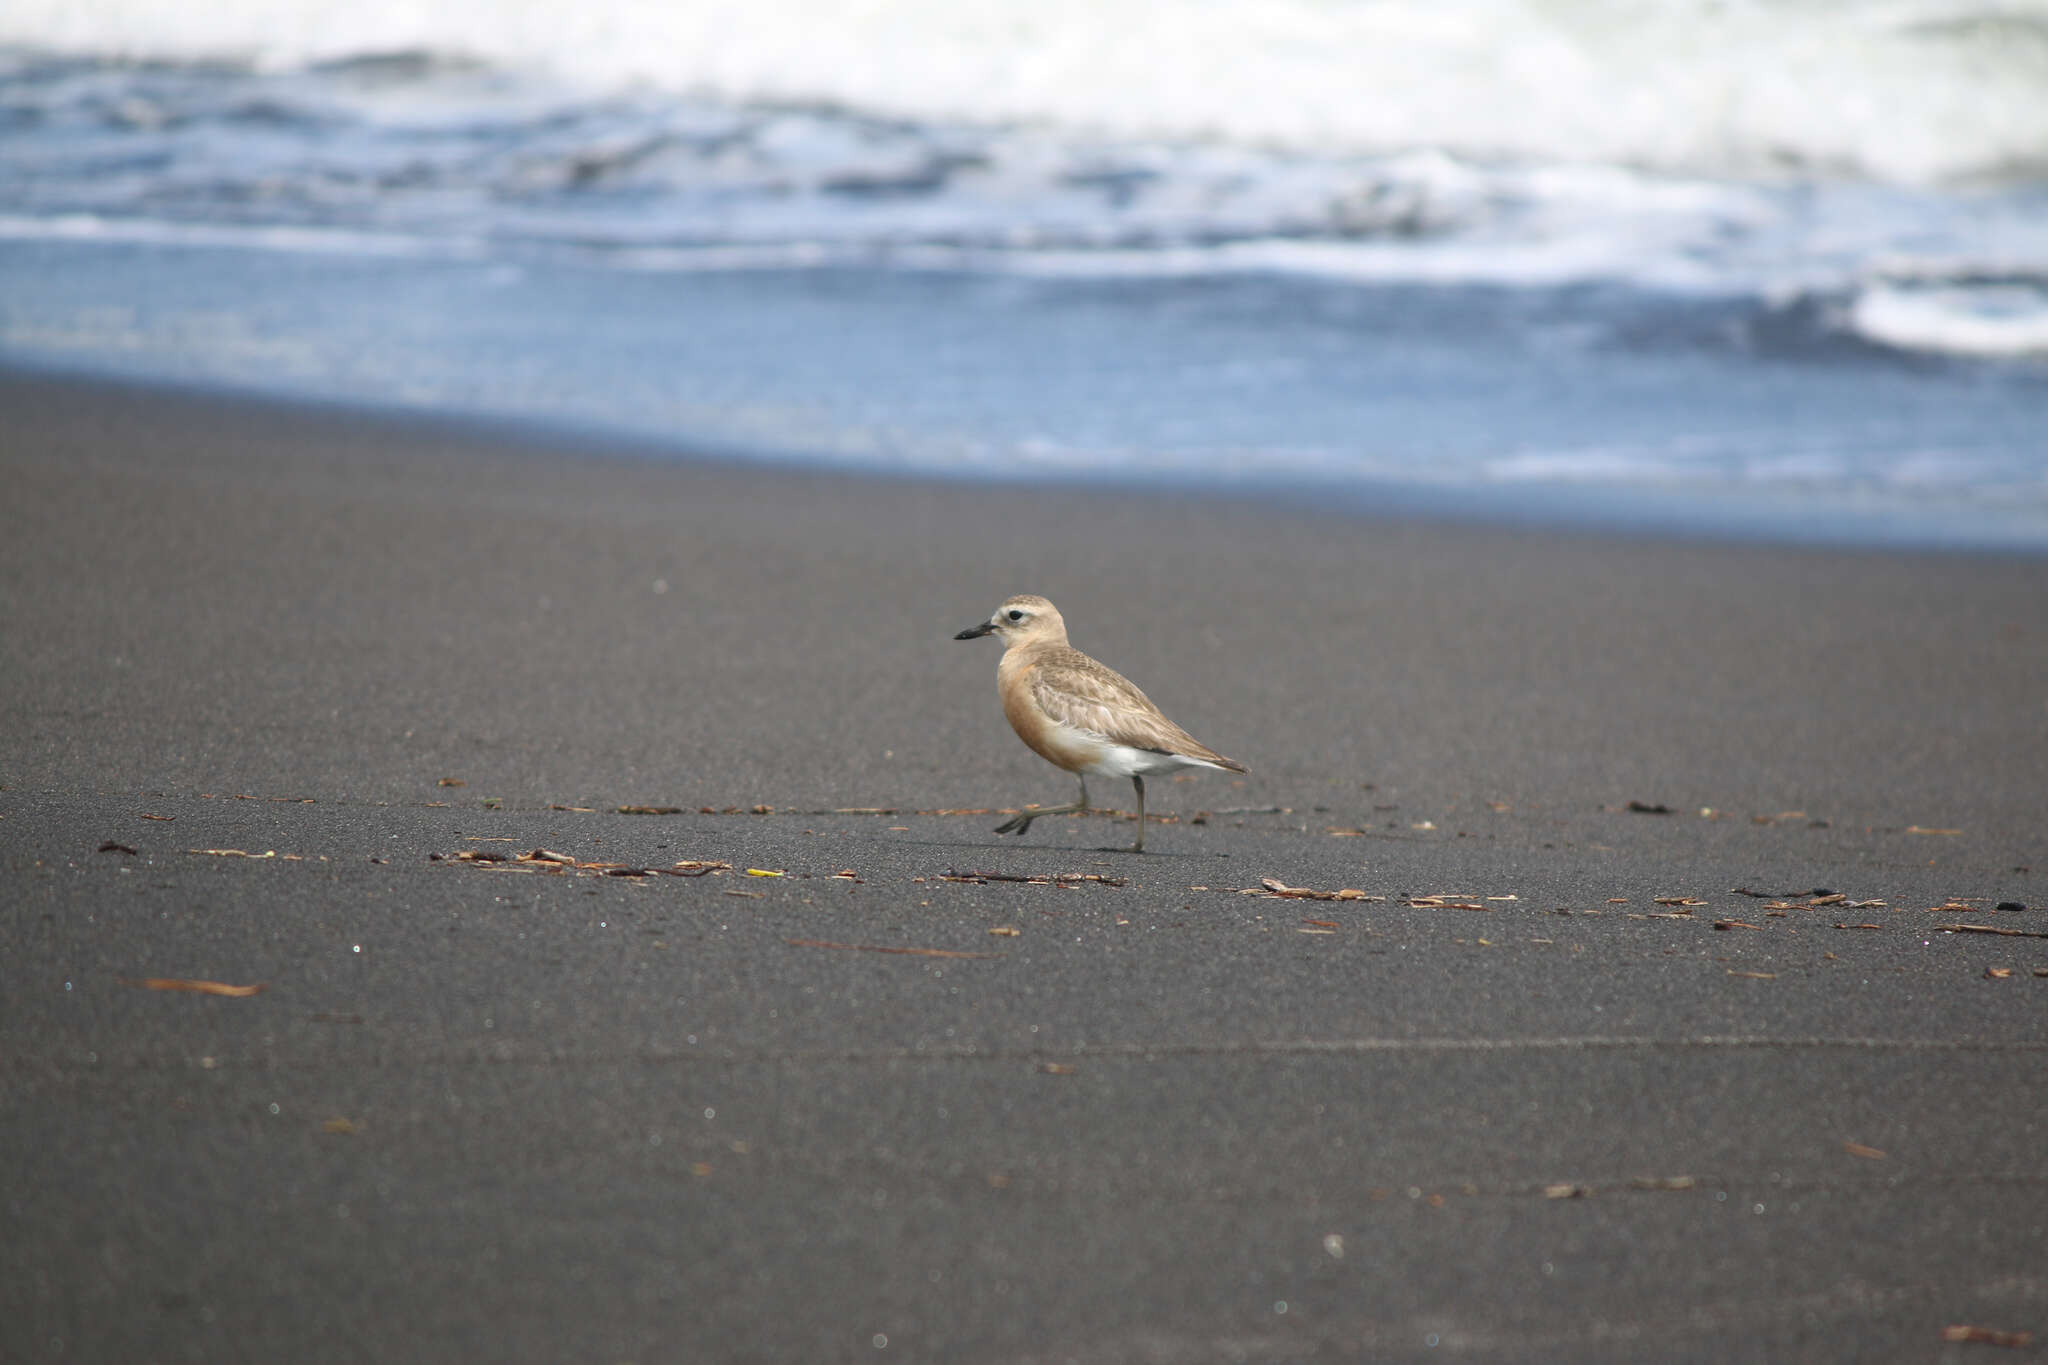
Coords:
pixel 964 845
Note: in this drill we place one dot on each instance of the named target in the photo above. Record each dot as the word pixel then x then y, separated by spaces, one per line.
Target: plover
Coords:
pixel 1078 714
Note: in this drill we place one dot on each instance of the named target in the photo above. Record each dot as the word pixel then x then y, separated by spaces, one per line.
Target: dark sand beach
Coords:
pixel 1552 1089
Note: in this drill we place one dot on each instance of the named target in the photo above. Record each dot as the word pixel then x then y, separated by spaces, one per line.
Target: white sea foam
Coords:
pixel 1912 91
pixel 1997 318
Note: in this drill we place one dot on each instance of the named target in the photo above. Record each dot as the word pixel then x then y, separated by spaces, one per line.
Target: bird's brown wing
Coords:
pixel 1075 690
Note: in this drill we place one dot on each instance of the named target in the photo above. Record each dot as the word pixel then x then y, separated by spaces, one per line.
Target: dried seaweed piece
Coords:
pixel 1988 1336
pixel 1736 924
pixel 174 983
pixel 650 810
pixel 1857 1149
pixel 1273 886
pixel 111 847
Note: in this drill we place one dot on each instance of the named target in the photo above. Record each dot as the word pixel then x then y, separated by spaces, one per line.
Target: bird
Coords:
pixel 1081 715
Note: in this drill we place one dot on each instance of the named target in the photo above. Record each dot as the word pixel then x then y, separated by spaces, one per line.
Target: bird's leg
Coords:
pixel 1021 821
pixel 1139 784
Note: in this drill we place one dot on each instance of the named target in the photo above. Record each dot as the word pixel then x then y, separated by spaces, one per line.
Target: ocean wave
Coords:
pixel 1911 91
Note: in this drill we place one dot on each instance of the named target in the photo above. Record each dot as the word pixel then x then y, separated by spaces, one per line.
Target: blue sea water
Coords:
pixel 1729 312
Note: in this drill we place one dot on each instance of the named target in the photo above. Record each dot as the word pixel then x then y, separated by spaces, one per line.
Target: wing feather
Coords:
pixel 1073 689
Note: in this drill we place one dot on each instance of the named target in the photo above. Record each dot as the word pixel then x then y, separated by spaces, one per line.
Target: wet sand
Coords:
pixel 497 1111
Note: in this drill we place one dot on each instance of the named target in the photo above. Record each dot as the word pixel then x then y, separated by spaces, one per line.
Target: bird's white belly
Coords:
pixel 1118 760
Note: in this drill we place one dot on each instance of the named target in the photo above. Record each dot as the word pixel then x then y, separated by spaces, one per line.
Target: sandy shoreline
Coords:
pixel 280 630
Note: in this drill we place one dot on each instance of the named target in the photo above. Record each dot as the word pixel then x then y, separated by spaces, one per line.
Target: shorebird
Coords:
pixel 1080 715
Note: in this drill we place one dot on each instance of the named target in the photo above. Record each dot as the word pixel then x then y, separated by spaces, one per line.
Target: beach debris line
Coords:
pixel 1035 879
pixel 883 948
pixel 549 862
pixel 179 983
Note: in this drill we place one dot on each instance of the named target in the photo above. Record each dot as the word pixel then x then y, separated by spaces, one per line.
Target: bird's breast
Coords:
pixel 1061 745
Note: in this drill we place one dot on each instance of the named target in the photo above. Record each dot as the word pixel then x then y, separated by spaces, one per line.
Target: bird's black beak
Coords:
pixel 975 632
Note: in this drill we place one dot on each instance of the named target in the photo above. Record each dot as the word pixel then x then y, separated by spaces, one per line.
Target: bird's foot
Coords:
pixel 1016 824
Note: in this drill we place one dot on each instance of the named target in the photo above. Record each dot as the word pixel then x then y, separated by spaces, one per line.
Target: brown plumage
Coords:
pixel 1079 714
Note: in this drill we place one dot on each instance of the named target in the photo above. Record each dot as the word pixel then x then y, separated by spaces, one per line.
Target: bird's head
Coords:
pixel 1025 618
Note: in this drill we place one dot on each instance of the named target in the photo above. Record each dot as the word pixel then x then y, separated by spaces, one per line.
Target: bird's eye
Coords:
pixel 1016 615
